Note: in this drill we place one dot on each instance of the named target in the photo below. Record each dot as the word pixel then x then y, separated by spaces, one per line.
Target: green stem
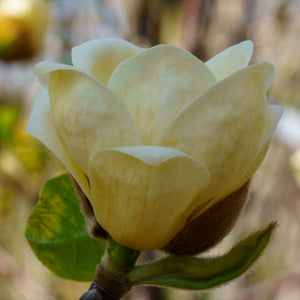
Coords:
pixel 110 281
pixel 119 259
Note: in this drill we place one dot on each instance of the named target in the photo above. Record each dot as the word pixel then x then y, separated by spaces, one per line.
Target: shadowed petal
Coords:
pixel 43 70
pixel 156 84
pixel 87 116
pixel 274 113
pixel 41 126
pixel 144 190
pixel 231 60
pixel 223 126
pixel 100 57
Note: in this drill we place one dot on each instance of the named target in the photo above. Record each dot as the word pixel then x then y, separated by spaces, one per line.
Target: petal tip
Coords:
pixel 277 108
pixel 40 67
pixel 269 73
pixel 265 72
pixel 42 70
pixel 248 48
pixel 247 44
pixel 276 112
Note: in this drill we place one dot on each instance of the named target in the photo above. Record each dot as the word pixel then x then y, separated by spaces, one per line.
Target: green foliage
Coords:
pixel 8 118
pixel 196 273
pixel 57 233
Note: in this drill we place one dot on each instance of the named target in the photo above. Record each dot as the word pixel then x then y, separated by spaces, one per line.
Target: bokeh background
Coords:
pixel 35 30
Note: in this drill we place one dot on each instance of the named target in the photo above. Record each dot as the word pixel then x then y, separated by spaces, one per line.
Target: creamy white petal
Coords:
pixel 156 84
pixel 231 60
pixel 223 126
pixel 144 191
pixel 41 126
pixel 43 70
pixel 274 113
pixel 88 117
pixel 151 155
pixel 100 57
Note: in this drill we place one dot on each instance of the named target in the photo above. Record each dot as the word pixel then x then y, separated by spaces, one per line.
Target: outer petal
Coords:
pixel 88 116
pixel 274 114
pixel 100 57
pixel 142 195
pixel 230 60
pixel 223 126
pixel 41 126
pixel 156 84
pixel 43 70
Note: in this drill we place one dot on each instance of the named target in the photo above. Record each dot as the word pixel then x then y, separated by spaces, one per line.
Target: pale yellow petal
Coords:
pixel 142 195
pixel 223 127
pixel 41 126
pixel 43 70
pixel 234 186
pixel 88 117
pixel 231 60
pixel 100 57
pixel 156 84
pixel 274 113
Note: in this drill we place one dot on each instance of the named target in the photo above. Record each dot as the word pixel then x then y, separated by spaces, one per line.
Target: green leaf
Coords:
pixel 57 233
pixel 8 119
pixel 196 273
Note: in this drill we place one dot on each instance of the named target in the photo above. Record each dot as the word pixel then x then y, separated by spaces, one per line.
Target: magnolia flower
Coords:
pixel 155 137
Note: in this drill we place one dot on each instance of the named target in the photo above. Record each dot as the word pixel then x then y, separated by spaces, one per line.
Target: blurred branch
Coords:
pixel 148 20
pixel 190 12
pixel 197 18
pixel 242 31
pixel 21 281
pixel 281 12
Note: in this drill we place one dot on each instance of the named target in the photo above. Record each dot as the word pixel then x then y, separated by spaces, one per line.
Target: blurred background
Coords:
pixel 35 30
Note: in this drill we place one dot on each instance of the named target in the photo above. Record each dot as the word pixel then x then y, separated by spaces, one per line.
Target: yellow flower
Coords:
pixel 154 137
pixel 23 24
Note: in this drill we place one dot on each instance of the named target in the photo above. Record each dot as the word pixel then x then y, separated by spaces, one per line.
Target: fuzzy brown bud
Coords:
pixel 93 227
pixel 210 227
